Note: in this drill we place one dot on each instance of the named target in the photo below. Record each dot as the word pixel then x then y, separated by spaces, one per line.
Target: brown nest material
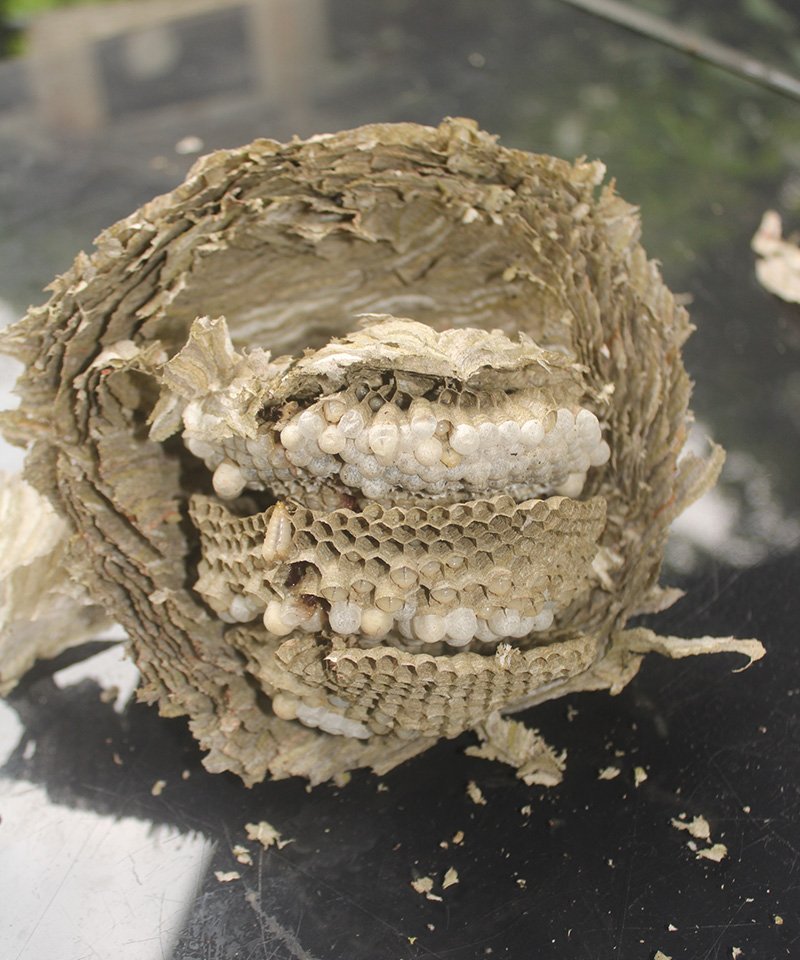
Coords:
pixel 333 540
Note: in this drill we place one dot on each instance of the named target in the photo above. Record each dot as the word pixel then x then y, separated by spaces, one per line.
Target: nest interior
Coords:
pixel 291 242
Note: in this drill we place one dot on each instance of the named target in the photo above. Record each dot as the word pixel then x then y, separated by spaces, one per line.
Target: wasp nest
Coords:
pixel 335 534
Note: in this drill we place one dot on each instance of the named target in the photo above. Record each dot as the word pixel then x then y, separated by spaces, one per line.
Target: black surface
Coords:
pixel 605 874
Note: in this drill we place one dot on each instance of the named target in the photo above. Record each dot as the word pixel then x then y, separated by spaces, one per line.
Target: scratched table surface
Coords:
pixel 113 836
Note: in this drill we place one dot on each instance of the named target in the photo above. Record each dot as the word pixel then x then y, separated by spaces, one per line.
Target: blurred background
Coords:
pixel 105 104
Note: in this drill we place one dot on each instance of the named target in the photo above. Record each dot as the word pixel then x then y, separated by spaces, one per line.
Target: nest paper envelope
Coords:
pixel 365 438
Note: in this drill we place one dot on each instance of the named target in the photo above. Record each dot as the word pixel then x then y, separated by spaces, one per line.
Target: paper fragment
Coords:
pixel 265 834
pixel 475 794
pixel 511 742
pixel 242 854
pixel 779 269
pixel 42 611
pixel 716 853
pixel 608 773
pixel 698 827
pixel 424 885
pixel 450 878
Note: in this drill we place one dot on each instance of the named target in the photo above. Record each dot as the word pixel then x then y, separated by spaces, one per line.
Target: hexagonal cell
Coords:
pixel 428 533
pixel 357 525
pixel 404 533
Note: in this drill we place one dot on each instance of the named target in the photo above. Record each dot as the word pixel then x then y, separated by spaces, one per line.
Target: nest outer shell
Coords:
pixel 289 242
